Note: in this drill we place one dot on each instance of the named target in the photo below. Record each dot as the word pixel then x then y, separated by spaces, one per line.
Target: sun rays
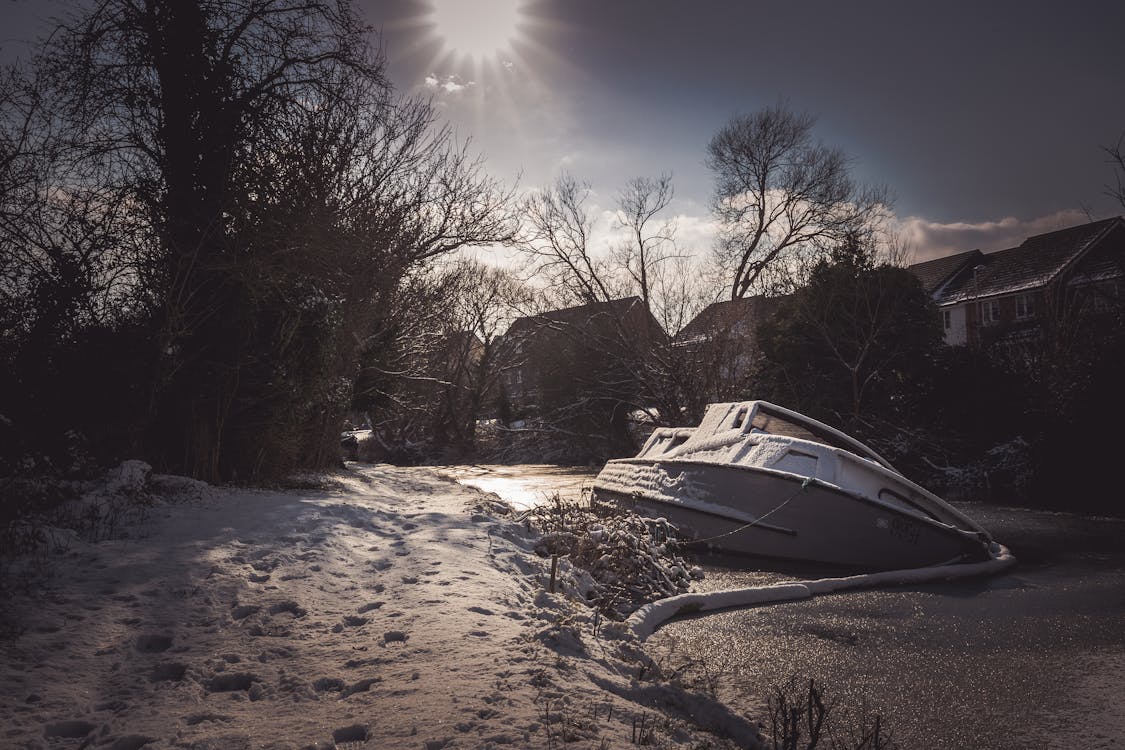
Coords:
pixel 479 30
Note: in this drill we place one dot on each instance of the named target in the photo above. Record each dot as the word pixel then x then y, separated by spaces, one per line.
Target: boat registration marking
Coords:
pixel 900 528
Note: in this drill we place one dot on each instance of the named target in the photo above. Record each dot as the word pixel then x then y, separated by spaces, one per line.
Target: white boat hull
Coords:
pixel 753 511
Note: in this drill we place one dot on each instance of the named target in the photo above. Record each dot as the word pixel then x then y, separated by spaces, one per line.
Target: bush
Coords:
pixel 627 559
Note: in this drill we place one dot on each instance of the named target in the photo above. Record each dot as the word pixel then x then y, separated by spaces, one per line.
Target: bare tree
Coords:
pixel 484 302
pixel 432 369
pixel 638 206
pixel 1116 155
pixel 279 193
pixel 556 239
pixel 780 193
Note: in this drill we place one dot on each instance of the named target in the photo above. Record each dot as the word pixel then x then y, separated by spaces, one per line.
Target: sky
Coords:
pixel 986 120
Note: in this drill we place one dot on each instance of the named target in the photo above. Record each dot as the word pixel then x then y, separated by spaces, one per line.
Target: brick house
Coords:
pixel 599 345
pixel 719 347
pixel 1006 297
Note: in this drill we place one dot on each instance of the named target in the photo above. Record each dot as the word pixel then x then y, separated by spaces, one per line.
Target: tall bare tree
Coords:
pixel 555 237
pixel 644 371
pixel 780 193
pixel 639 205
pixel 1116 155
pixel 281 193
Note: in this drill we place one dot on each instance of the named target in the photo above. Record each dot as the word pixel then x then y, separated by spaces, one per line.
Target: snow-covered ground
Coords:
pixel 395 608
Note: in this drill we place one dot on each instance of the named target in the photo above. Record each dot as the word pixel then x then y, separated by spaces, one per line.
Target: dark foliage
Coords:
pixel 850 346
pixel 206 210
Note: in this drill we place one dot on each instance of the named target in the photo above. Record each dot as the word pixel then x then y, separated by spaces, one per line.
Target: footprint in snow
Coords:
pixel 369 606
pixel 329 684
pixel 354 734
pixel 481 611
pixel 243 611
pixel 231 682
pixel 73 729
pixel 194 719
pixel 168 672
pixel 127 742
pixel 152 644
pixel 288 607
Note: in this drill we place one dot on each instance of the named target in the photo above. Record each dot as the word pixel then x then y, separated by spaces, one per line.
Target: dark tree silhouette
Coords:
pixel 276 193
pixel 851 340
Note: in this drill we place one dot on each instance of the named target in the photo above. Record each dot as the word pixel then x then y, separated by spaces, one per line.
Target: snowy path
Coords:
pixel 387 613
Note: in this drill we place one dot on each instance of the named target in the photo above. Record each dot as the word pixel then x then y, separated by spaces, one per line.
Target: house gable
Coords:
pixel 1014 287
pixel 936 274
pixel 739 317
pixel 1034 264
pixel 567 345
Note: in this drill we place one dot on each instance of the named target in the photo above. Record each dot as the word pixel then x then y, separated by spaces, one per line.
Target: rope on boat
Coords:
pixel 804 486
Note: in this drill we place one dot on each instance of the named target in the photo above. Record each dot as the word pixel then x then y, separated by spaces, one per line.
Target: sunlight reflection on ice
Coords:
pixel 525 486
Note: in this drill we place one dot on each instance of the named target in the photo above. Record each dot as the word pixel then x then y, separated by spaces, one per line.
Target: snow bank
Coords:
pixel 648 618
pixel 387 608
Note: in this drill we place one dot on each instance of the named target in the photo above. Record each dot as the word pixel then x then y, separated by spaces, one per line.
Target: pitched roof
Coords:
pixel 577 316
pixel 745 312
pixel 1036 262
pixel 934 273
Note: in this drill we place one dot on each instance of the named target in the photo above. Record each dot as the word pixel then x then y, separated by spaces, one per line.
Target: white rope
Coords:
pixel 759 519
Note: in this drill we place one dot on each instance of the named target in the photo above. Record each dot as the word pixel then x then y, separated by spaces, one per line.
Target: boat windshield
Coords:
pixel 775 423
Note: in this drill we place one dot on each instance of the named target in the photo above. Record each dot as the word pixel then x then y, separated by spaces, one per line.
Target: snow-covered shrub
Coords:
pixel 626 559
pixel 1006 471
pixel 37 514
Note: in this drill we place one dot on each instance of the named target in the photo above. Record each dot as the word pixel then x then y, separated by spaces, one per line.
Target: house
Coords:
pixel 597 348
pixel 1007 296
pixel 719 346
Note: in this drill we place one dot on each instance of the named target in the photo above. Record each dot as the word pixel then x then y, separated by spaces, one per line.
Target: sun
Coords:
pixel 477 29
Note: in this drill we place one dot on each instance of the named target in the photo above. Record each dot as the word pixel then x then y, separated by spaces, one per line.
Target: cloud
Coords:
pixel 451 84
pixel 693 234
pixel 930 239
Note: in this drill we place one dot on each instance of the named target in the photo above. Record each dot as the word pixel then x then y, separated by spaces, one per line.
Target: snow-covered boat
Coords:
pixel 758 479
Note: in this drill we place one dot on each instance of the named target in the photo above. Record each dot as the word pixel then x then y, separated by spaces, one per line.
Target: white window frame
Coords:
pixel 947 319
pixel 1025 307
pixel 989 311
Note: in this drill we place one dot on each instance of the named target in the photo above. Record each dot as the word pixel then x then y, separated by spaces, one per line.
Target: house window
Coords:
pixel 947 319
pixel 1025 307
pixel 1106 296
pixel 990 311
